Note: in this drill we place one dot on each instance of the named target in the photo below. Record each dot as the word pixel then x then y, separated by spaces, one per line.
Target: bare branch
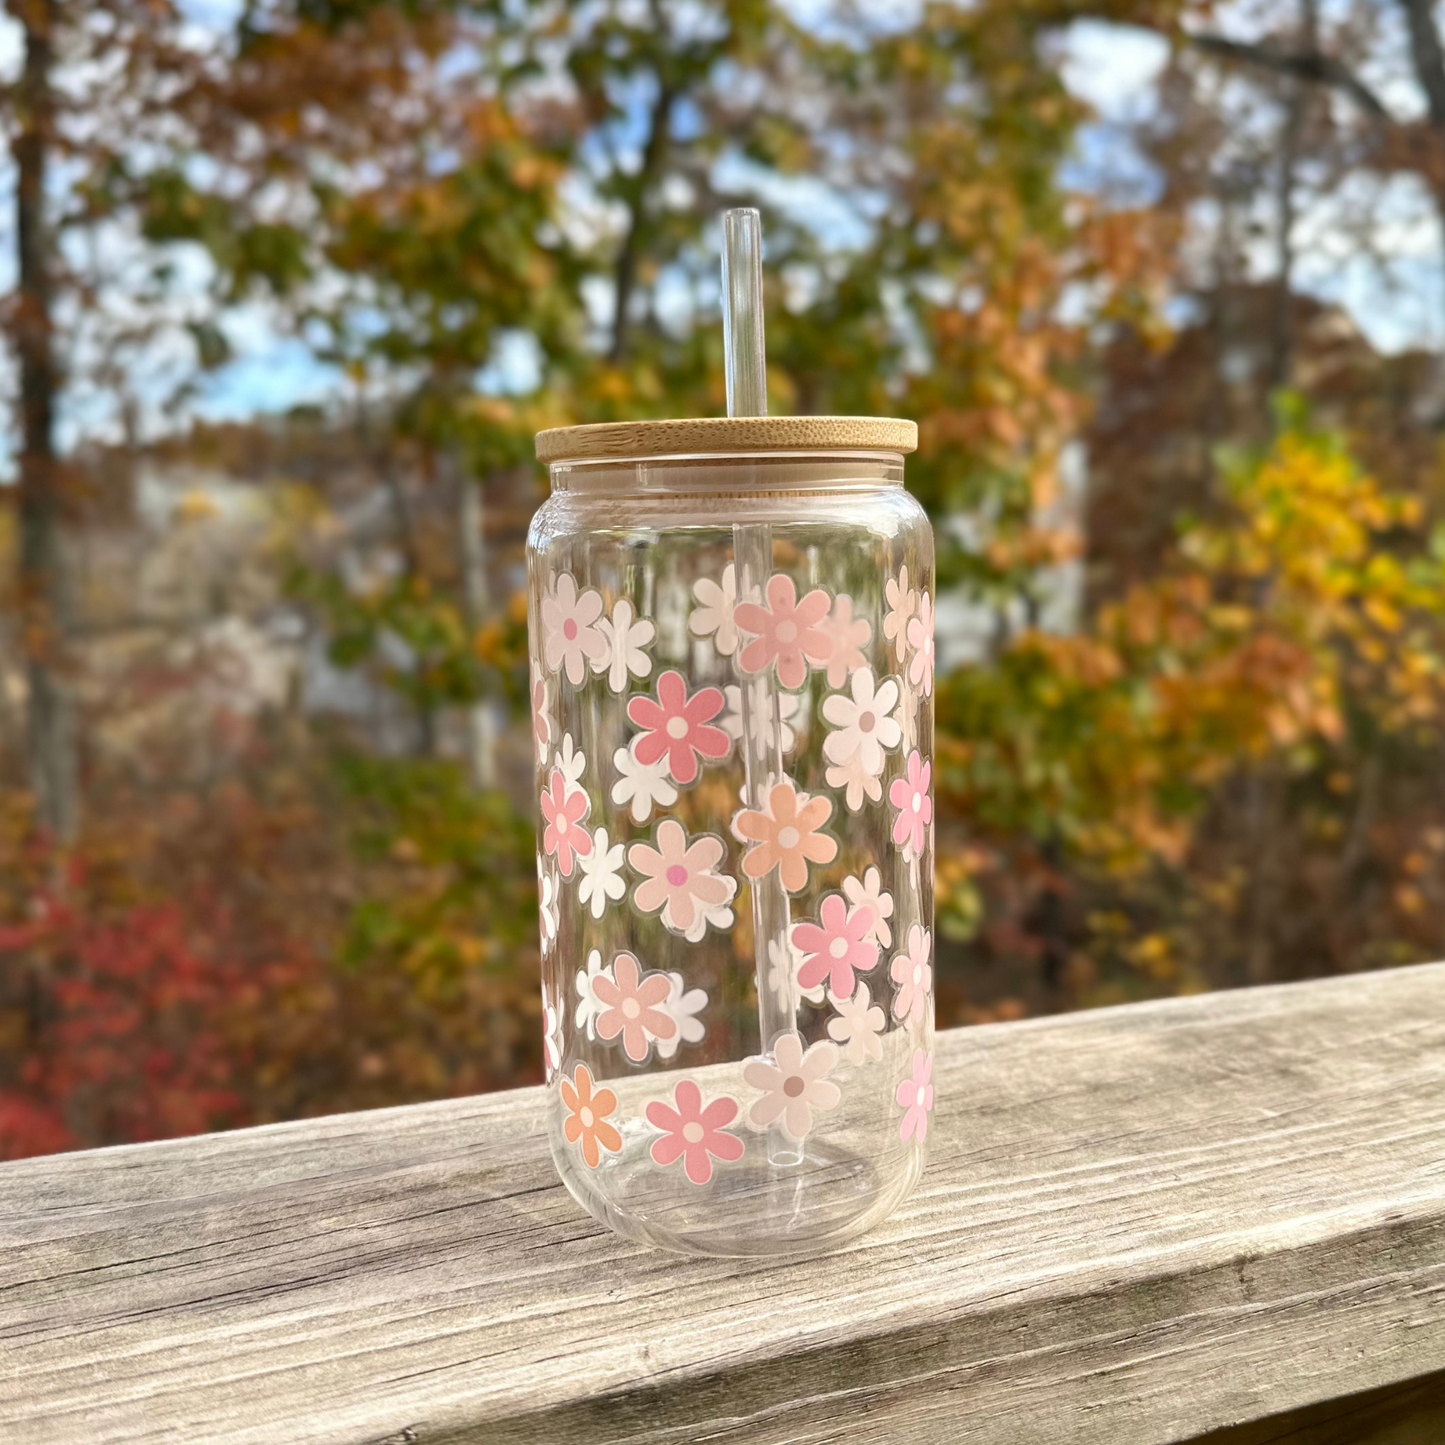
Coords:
pixel 1426 56
pixel 1313 66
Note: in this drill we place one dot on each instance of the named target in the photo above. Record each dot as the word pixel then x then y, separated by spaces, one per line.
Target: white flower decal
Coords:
pixel 920 639
pixel 542 726
pixel 850 636
pixel 784 961
pixel 908 717
pixel 794 1085
pixel 625 639
pixel 760 718
pixel 570 638
pixel 641 784
pixel 547 891
pixel 571 762
pixel 869 893
pixel 713 617
pixel 856 779
pixel 863 724
pixel 551 1038
pixel 859 1023
pixel 902 604
pixel 588 1004
pixel 601 871
pixel 682 1005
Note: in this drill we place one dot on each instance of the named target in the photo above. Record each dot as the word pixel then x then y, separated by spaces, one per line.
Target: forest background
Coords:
pixel 288 288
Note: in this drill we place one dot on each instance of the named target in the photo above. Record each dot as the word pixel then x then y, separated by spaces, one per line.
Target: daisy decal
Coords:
pixel 850 636
pixel 564 811
pixel 680 878
pixel 683 1005
pixel 915 1094
pixel 794 1085
pixel 713 616
pixel 547 891
pixel 902 604
pixel 760 716
pixel 541 712
pixel 785 631
pixel 786 835
pixel 837 946
pixel 909 794
pixel 784 961
pixel 551 1036
pixel 641 785
pixel 693 1131
pixel 857 1027
pixel 862 725
pixel 920 639
pixel 586 1124
pixel 588 1004
pixel 625 638
pixel 632 1007
pixel 602 882
pixel 913 973
pixel 571 762
pixel 570 637
pixel 855 780
pixel 868 891
pixel 676 727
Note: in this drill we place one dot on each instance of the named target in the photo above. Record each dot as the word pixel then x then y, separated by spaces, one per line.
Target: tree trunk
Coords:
pixel 43 595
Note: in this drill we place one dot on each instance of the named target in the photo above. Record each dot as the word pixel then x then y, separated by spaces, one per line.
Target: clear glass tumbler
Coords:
pixel 731 628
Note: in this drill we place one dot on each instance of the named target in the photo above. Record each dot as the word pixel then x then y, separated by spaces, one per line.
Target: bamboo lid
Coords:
pixel 691 436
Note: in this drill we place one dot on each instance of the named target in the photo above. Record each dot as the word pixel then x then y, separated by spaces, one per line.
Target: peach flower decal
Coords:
pixel 916 1097
pixel 633 1005
pixel 785 631
pixel 587 1110
pixel 676 725
pixel 679 878
pixel 693 1132
pixel 564 811
pixel 786 835
pixel 842 945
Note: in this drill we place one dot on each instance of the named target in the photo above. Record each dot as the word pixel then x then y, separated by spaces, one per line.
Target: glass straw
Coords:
pixel 745 364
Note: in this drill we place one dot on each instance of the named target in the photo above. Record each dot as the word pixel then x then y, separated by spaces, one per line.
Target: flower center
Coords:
pixel 630 1008
pixel 918 802
pixel 866 722
pixel 925 1096
pixel 561 822
pixel 917 975
pixel 569 629
pixel 586 1116
pixel 794 1085
pixel 676 875
pixel 692 1132
pixel 788 839
pixel 838 947
pixel 677 727
pixel 786 633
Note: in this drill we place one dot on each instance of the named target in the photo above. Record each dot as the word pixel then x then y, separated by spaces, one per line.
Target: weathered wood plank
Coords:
pixel 1137 1225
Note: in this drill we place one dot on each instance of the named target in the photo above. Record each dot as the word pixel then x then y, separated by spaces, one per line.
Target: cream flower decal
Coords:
pixel 836 946
pixel 547 891
pixel 713 616
pixel 915 1094
pixel 541 712
pixel 868 891
pixel 680 878
pixel 862 724
pixel 625 637
pixel 913 973
pixel 908 717
pixel 920 639
pixel 641 785
pixel 902 605
pixel 602 882
pixel 785 631
pixel 786 835
pixel 682 1005
pixel 632 1007
pixel 571 762
pixel 570 638
pixel 563 810
pixel 676 726
pixel 794 1085
pixel 856 781
pixel 693 1131
pixel 588 1004
pixel 857 1027
pixel 850 636
pixel 909 794
pixel 760 716
pixel 586 1124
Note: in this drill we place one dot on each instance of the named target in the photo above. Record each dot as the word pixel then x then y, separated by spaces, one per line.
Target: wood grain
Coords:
pixel 700 435
pixel 1137 1225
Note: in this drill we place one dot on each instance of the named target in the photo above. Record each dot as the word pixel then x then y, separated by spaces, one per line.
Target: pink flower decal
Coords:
pixel 840 947
pixel 676 725
pixel 920 639
pixel 564 811
pixel 679 879
pixel 786 835
pixel 909 794
pixel 693 1132
pixel 785 631
pixel 632 1005
pixel 913 974
pixel 916 1097
pixel 850 636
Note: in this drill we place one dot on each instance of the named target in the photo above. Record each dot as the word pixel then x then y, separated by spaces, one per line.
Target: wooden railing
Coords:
pixel 1137 1225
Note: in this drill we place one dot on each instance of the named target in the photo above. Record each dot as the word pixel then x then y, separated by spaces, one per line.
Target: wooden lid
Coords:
pixel 690 436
